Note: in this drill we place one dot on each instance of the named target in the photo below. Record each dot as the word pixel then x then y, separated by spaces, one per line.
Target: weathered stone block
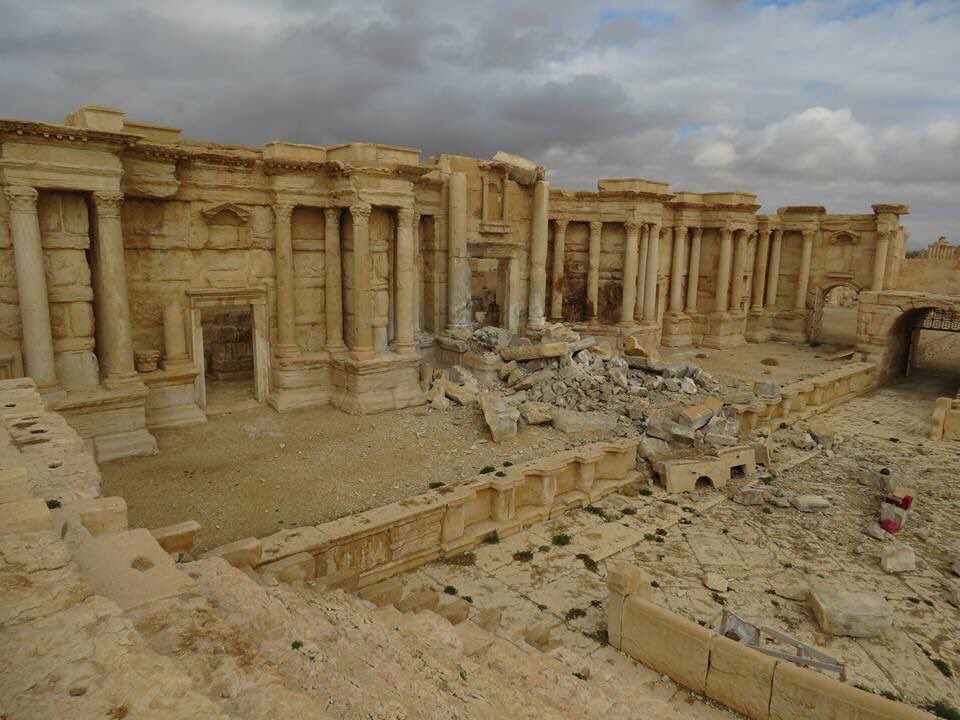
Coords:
pixel 856 614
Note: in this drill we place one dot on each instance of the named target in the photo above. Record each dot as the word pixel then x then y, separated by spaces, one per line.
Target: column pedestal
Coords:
pixel 724 330
pixel 758 325
pixel 677 330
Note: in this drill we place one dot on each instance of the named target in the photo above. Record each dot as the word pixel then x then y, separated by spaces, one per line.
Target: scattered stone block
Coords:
pixel 490 619
pixel 346 579
pixel 177 538
pixel 875 531
pixel 14 485
pixel 695 416
pixel 533 352
pixel 384 593
pixel 460 394
pixel 897 558
pixel 422 600
pixel 294 568
pixel 25 516
pixel 822 433
pixel 792 589
pixel 637 347
pixel 810 503
pixel 97 515
pixel 714 581
pixel 749 496
pixel 504 370
pixel 576 422
pixel 854 614
pixel 500 417
pixel 240 553
pixel 538 635
pixel 653 449
pixel 455 611
pixel 536 413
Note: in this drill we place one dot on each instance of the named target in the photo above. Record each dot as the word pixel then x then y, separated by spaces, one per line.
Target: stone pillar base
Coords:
pixel 300 382
pixel 758 326
pixel 172 397
pixel 387 382
pixel 677 330
pixel 724 330
pixel 790 326
pixel 450 350
pixel 647 333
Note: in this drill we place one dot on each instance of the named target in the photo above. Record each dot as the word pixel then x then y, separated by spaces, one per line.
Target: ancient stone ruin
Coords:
pixel 335 431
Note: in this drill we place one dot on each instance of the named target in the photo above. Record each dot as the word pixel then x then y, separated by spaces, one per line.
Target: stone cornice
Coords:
pixel 281 167
pixel 65 133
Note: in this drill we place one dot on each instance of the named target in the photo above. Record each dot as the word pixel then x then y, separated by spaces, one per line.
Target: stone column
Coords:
pixel 803 279
pixel 174 337
pixel 739 262
pixel 773 270
pixel 114 336
pixel 538 255
pixel 417 280
pixel 556 294
pixel 286 302
pixel 760 269
pixel 880 261
pixel 631 260
pixel 405 338
pixel 333 279
pixel 642 270
pixel 593 271
pixel 693 273
pixel 676 268
pixel 458 266
pixel 38 358
pixel 361 344
pixel 650 282
pixel 723 271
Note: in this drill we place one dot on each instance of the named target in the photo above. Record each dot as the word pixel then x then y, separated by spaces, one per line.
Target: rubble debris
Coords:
pixel 576 422
pixel 501 418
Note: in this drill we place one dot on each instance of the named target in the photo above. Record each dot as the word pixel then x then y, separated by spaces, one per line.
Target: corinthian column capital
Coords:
pixel 282 211
pixel 405 216
pixel 107 204
pixel 22 198
pixel 560 225
pixel 360 212
pixel 332 216
pixel 632 227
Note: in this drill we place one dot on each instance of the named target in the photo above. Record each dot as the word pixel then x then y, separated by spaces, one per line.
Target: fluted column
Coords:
pixel 112 305
pixel 650 282
pixel 880 261
pixel 458 266
pixel 556 291
pixel 773 269
pixel 676 268
pixel 361 344
pixel 38 358
pixel 642 269
pixel 803 279
pixel 417 279
pixel 723 269
pixel 693 272
pixel 333 279
pixel 760 269
pixel 631 258
pixel 405 277
pixel 741 240
pixel 538 255
pixel 174 336
pixel 593 271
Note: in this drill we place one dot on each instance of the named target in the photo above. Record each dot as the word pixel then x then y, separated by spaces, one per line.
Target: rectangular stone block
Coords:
pixel 241 553
pixel 14 485
pixel 97 515
pixel 422 600
pixel 739 677
pixel 532 352
pixel 455 611
pixel 295 568
pixel 177 538
pixel 856 614
pixel 386 592
pixel 25 516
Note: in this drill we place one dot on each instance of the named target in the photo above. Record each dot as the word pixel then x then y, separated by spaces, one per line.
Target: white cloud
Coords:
pixel 715 155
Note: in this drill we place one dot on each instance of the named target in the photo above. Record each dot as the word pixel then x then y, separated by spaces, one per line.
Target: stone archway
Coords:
pixel 847 317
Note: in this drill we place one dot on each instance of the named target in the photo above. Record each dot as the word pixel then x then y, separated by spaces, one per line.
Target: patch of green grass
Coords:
pixel 436 484
pixel 463 674
pixel 53 504
pixel 468 598
pixel 766 479
pixel 718 598
pixel 646 492
pixel 671 501
pixel 574 613
pixel 942 709
pixel 593 509
pixel 600 635
pixel 449 590
pixel 943 666
pixel 654 584
pixel 507 463
pixel 487 469
pixel 500 473
pixel 688 509
pixel 588 562
pixel 296 644
pixel 523 556
pixel 766 510
pixel 561 539
pixel 492 538
pixel 629 510
pixel 649 537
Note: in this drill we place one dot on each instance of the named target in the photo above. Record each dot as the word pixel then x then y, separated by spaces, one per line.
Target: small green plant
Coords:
pixel 463 674
pixel 487 469
pixel 654 584
pixel 464 559
pixel 593 510
pixel 296 644
pixel 507 463
pixel 718 599
pixel 688 509
pixel 588 562
pixel 561 539
pixel 579 675
pixel 629 510
pixel 492 538
pixel 500 473
pixel 436 484
pixel 468 598
pixel 766 479
pixel 596 603
pixel 649 537
pixel 914 600
pixel 671 501
pixel 766 510
pixel 646 492
pixel 942 709
pixel 523 556
pixel 943 666
pixel 53 504
pixel 574 613
pixel 449 590
pixel 661 531
pixel 600 635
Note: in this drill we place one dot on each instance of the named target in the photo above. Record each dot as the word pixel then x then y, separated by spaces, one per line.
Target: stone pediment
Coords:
pixel 212 211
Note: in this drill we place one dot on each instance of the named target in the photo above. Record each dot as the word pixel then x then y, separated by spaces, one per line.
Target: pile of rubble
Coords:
pixel 573 383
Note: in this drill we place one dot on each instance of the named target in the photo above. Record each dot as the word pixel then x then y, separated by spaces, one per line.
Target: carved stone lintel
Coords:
pixel 22 199
pixel 107 204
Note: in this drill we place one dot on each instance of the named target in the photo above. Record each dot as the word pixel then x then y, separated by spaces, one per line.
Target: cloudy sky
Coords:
pixel 835 102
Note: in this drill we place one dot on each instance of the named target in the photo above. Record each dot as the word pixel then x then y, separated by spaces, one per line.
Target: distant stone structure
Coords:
pixel 354 262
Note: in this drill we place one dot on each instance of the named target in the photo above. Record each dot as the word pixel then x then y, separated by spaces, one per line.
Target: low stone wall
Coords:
pixel 945 423
pixel 383 541
pixel 757 685
pixel 808 397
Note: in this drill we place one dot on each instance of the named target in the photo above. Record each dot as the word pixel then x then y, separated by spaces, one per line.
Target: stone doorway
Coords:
pixel 492 301
pixel 834 317
pixel 229 346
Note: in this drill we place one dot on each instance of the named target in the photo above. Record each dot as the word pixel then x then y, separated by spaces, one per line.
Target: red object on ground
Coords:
pixel 906 502
pixel 890 526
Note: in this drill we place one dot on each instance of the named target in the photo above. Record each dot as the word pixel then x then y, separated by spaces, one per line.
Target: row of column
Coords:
pixel 111 303
pixel 361 342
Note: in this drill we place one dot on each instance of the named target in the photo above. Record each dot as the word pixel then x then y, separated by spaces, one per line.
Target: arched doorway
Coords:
pixel 834 317
pixel 926 339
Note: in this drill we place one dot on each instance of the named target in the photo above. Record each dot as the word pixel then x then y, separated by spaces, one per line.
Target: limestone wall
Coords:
pixel 940 275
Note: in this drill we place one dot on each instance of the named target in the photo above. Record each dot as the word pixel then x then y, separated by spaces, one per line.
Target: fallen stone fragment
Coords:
pixel 803 441
pixel 875 531
pixel 953 596
pixel 660 428
pixel 854 614
pixel 688 386
pixel 822 433
pixel 532 352
pixel 504 370
pixel 637 347
pixel 767 389
pixel 538 635
pixel 810 503
pixel 386 592
pixel 177 538
pixel 714 581
pixel 897 558
pixel 489 619
pixel 536 413
pixel 423 600
pixel 749 496
pixel 455 611
pixel 534 378
pixel 575 421
pixel 501 418
pixel 460 394
pixel 956 567
pixel 654 449
pixel 792 589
